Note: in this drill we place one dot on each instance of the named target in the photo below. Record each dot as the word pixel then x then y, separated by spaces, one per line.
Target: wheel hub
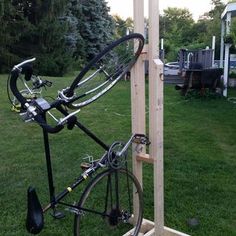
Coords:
pixel 114 217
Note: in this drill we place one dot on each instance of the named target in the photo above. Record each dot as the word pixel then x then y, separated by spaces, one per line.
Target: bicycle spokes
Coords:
pixel 109 194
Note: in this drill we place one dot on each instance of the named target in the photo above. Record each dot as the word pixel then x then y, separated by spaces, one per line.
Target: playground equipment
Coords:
pixel 155 155
pixel 228 13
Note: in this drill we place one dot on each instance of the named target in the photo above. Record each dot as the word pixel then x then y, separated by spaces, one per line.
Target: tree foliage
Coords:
pixel 57 32
pixel 95 27
pixel 123 27
pixel 13 26
pixel 176 25
pixel 63 33
pixel 179 30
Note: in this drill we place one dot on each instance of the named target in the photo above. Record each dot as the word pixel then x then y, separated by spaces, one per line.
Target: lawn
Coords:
pixel 199 151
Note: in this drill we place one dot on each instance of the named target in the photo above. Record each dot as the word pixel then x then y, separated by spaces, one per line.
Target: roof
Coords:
pixel 231 7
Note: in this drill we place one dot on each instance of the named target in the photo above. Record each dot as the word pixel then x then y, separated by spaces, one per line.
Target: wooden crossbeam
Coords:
pixel 145 158
pixel 148 229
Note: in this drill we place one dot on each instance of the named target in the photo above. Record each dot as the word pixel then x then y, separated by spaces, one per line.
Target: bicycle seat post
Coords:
pixel 56 214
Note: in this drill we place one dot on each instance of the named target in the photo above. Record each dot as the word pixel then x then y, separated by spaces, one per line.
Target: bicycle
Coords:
pixel 108 197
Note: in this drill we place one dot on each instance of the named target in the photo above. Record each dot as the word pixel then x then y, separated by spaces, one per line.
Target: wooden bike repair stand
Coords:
pixel 155 156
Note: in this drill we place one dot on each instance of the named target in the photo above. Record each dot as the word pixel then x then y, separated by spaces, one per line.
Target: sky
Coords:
pixel 124 8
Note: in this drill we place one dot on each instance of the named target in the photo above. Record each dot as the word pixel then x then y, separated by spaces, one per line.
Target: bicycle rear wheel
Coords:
pixel 105 70
pixel 106 206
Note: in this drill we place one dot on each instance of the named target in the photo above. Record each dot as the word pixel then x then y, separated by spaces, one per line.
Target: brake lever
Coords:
pixel 48 83
pixel 41 83
pixel 62 121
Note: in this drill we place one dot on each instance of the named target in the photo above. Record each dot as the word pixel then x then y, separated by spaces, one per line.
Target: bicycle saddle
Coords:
pixel 34 220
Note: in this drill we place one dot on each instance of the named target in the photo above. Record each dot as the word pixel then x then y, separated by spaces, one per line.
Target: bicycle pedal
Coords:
pixel 141 139
pixel 58 214
pixel 85 165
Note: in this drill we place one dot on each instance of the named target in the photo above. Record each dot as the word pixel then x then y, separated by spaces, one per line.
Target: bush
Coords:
pixel 51 65
pixel 229 39
pixel 232 74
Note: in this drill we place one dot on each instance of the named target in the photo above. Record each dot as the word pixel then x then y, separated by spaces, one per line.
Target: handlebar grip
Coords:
pixel 24 68
pixel 52 130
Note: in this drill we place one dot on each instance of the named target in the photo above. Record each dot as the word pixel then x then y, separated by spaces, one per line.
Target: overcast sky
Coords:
pixel 124 8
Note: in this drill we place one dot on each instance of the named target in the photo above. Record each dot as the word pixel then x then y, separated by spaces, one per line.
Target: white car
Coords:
pixel 171 68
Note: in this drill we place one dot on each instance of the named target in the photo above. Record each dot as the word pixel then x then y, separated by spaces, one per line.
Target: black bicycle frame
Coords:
pixel 54 199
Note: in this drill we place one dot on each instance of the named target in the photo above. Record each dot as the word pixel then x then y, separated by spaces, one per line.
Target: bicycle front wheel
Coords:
pixel 105 70
pixel 107 208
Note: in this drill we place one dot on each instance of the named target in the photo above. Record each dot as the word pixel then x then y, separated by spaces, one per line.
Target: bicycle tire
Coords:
pixel 110 66
pixel 111 221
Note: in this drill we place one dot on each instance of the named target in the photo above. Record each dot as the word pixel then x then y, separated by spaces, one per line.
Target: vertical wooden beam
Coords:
pixel 138 93
pixel 156 115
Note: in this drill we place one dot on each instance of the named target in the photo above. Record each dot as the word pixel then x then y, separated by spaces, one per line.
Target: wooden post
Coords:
pixel 156 115
pixel 156 138
pixel 155 155
pixel 138 94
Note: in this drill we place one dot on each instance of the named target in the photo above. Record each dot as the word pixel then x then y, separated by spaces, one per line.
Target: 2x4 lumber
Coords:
pixel 171 232
pixel 167 232
pixel 138 96
pixel 155 108
pixel 150 233
pixel 156 139
pixel 130 233
pixel 144 158
pixel 149 225
pixel 144 54
pixel 156 115
pixel 148 229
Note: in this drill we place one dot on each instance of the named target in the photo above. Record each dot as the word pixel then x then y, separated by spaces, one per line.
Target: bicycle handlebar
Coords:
pixel 52 130
pixel 19 66
pixel 34 111
pixel 13 86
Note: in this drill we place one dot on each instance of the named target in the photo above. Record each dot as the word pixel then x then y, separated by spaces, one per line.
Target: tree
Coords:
pixel 217 10
pixel 95 27
pixel 176 25
pixel 214 24
pixel 13 25
pixel 45 35
pixel 179 30
pixel 122 27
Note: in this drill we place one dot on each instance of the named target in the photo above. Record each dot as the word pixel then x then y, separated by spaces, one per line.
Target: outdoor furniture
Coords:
pixel 200 80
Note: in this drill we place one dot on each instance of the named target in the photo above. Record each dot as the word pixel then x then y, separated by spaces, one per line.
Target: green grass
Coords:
pixel 200 163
